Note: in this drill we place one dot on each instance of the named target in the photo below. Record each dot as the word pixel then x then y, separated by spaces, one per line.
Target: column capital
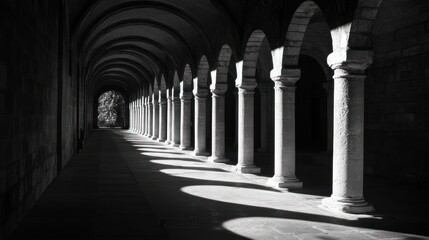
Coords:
pixel 285 76
pixel 218 89
pixel 350 61
pixel 185 96
pixel 246 87
pixel 200 93
pixel 176 98
pixel 162 99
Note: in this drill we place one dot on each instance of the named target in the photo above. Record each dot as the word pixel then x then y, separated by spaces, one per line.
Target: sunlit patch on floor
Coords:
pixel 165 155
pixel 180 163
pixel 204 175
pixel 244 196
pixel 286 228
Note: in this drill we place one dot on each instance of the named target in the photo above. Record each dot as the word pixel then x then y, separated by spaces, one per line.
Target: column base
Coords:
pixel 173 144
pixel 347 205
pixel 283 182
pixel 216 159
pixel 168 142
pixel 161 140
pixel 198 153
pixel 246 169
pixel 154 138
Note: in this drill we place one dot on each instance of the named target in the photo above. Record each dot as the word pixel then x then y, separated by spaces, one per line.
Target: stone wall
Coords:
pixel 397 93
pixel 29 56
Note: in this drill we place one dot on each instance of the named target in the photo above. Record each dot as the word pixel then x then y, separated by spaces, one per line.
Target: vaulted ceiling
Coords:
pixel 131 42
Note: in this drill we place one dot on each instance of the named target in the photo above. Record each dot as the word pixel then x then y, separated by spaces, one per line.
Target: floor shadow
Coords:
pixel 112 189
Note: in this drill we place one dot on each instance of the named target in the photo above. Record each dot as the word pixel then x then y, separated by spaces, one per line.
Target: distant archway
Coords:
pixel 111 110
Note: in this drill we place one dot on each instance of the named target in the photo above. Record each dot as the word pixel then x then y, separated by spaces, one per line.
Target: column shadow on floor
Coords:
pixel 125 191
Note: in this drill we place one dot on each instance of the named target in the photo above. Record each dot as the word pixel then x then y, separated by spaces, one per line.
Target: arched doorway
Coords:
pixel 311 107
pixel 111 110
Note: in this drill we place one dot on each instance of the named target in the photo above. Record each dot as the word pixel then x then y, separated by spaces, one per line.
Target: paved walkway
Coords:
pixel 123 186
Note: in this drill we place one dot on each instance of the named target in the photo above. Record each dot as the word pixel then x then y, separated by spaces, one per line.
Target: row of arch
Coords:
pixel 128 56
pixel 160 103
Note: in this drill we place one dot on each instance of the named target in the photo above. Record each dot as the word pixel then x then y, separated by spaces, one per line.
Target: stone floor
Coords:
pixel 123 186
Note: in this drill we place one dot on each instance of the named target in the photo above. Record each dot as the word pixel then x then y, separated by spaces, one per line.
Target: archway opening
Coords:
pixel 111 110
pixel 311 107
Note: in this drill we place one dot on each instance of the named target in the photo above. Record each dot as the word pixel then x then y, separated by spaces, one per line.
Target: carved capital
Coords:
pixel 186 96
pixel 350 61
pixel 200 93
pixel 246 87
pixel 285 76
pixel 218 89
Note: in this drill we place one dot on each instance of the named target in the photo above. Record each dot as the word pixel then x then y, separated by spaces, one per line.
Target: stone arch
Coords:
pixel 352 41
pixel 219 76
pixel 295 34
pixel 155 87
pixel 122 92
pixel 362 24
pixel 162 86
pixel 246 69
pixel 201 81
pixel 176 82
pixel 186 82
pixel 186 108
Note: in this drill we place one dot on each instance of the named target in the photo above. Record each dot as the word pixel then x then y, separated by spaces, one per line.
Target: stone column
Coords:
pixel 175 137
pixel 138 114
pixel 185 120
pixel 284 124
pixel 169 119
pixel 329 88
pixel 263 89
pixel 246 102
pixel 162 117
pixel 200 95
pixel 146 125
pixel 141 115
pixel 132 115
pixel 144 116
pixel 149 118
pixel 235 92
pixel 155 120
pixel 347 181
pixel 218 123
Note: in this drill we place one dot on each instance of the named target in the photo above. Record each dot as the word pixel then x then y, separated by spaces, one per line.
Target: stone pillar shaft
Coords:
pixel 144 117
pixel 200 124
pixel 162 117
pixel 347 179
pixel 146 124
pixel 218 123
pixel 155 120
pixel 175 138
pixel 169 116
pixel 348 139
pixel 149 120
pixel 246 131
pixel 185 120
pixel 284 128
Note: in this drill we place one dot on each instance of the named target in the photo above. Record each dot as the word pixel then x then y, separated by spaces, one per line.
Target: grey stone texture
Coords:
pixel 29 92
